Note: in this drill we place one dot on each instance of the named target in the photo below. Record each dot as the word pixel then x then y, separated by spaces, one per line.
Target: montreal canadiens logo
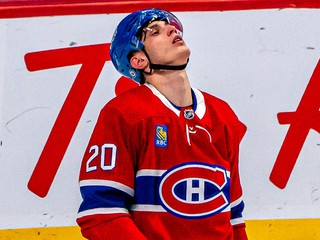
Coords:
pixel 194 190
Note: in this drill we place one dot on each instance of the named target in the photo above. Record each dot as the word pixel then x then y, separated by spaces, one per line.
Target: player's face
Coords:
pixel 164 44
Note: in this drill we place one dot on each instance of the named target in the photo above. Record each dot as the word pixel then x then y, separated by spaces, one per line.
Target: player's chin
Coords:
pixel 185 53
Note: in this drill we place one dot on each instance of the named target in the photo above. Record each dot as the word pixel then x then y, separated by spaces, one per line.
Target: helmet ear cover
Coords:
pixel 139 71
pixel 127 39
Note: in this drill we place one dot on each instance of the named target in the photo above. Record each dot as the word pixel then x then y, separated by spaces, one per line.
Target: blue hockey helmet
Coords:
pixel 125 38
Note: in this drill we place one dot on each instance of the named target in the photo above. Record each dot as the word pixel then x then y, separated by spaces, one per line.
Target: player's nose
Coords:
pixel 171 30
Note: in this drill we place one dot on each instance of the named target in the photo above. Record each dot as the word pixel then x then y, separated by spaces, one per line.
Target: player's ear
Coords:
pixel 139 60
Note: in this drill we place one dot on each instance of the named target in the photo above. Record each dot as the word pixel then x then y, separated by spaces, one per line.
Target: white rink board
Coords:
pixel 259 61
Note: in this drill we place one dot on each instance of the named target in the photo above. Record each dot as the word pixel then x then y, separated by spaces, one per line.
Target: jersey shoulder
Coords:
pixel 220 110
pixel 218 106
pixel 133 105
pixel 134 97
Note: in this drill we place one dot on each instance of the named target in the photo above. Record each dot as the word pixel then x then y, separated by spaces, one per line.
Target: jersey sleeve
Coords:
pixel 107 180
pixel 236 132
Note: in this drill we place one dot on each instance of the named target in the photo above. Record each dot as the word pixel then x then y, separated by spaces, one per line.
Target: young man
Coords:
pixel 162 162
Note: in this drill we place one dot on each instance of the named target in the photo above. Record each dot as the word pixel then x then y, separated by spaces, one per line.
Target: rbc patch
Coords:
pixel 161 136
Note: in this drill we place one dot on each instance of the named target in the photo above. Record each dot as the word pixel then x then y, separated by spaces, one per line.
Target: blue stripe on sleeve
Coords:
pixel 147 190
pixel 236 211
pixel 103 197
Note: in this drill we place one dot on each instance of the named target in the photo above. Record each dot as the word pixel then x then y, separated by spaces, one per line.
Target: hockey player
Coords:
pixel 162 161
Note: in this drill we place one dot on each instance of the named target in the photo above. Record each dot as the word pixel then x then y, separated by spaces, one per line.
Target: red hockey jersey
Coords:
pixel 159 172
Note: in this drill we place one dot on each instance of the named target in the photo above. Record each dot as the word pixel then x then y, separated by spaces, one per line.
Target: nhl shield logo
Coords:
pixel 188 114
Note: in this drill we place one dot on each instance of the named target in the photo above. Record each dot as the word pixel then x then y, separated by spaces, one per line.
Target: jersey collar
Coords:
pixel 198 105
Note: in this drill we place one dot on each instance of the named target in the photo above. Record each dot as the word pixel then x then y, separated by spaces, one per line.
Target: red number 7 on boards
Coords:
pixel 92 58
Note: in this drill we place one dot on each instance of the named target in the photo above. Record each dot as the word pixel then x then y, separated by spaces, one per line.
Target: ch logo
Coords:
pixel 194 190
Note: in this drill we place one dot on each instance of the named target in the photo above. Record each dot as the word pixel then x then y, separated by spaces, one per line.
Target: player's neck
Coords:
pixel 174 85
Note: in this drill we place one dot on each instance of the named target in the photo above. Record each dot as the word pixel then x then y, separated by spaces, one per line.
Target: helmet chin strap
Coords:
pixel 153 66
pixel 168 67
